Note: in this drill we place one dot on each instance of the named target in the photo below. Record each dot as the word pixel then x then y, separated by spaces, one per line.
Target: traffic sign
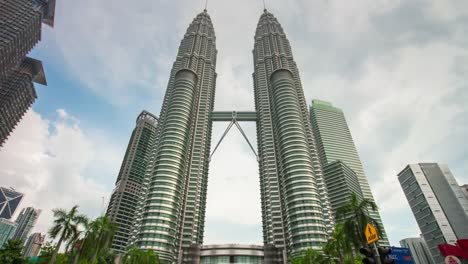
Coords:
pixel 371 234
pixel 452 260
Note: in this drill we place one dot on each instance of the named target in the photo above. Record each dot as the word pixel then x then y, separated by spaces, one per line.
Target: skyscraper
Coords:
pixel 7 229
pixel 129 184
pixel 9 201
pixel 20 31
pixel 334 142
pixel 25 222
pixel 419 250
pixel 295 206
pixel 17 94
pixel 174 211
pixel 341 182
pixel 33 245
pixel 437 202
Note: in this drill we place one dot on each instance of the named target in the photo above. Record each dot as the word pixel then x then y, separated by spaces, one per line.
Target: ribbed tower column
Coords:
pixel 159 229
pixel 303 217
pixel 173 217
pixel 295 205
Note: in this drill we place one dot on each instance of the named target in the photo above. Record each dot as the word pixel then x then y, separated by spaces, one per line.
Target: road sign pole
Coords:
pixel 377 256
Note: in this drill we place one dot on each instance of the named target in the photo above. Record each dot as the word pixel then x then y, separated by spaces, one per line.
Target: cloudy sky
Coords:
pixel 397 68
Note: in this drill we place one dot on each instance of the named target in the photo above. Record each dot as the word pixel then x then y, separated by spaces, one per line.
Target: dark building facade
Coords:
pixel 20 31
pixel 17 94
pixel 131 179
pixel 25 223
pixel 341 182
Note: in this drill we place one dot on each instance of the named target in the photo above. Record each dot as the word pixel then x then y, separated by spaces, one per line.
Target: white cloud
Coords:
pixel 397 68
pixel 46 160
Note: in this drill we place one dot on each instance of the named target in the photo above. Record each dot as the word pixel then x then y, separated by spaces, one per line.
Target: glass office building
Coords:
pixel 335 143
pixel 438 204
pixel 130 185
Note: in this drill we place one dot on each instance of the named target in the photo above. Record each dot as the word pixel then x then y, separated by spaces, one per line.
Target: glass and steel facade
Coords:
pixel 341 182
pixel 173 215
pixel 335 143
pixel 129 186
pixel 7 229
pixel 438 204
pixel 25 223
pixel 9 202
pixel 231 253
pixel 295 206
pixel 419 250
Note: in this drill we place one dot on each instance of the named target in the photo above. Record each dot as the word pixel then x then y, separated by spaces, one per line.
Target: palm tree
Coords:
pixel 66 226
pixel 339 246
pixel 354 216
pixel 101 232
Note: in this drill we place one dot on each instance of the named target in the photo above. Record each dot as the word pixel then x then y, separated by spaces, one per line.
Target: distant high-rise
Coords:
pixel 335 143
pixel 419 250
pixel 20 31
pixel 9 201
pixel 438 204
pixel 7 229
pixel 129 184
pixel 25 222
pixel 17 94
pixel 296 212
pixel 33 245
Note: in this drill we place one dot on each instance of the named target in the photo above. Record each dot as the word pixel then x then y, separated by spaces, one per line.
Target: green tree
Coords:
pixel 339 246
pixel 96 243
pixel 11 252
pixel 47 250
pixel 354 216
pixel 310 256
pixel 138 256
pixel 66 226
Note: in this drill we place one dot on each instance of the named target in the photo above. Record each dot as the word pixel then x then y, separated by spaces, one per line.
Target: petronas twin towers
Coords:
pixel 170 218
pixel 295 205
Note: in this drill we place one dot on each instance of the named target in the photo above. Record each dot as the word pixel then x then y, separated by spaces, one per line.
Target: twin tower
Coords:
pixel 296 211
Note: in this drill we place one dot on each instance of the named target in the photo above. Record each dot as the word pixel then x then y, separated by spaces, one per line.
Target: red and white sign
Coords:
pixel 452 260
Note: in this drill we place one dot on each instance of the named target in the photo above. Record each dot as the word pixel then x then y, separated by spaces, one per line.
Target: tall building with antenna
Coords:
pixel 295 204
pixel 174 212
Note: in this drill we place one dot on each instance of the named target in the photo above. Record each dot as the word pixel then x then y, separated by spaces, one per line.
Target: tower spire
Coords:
pixel 264 6
pixel 206 5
